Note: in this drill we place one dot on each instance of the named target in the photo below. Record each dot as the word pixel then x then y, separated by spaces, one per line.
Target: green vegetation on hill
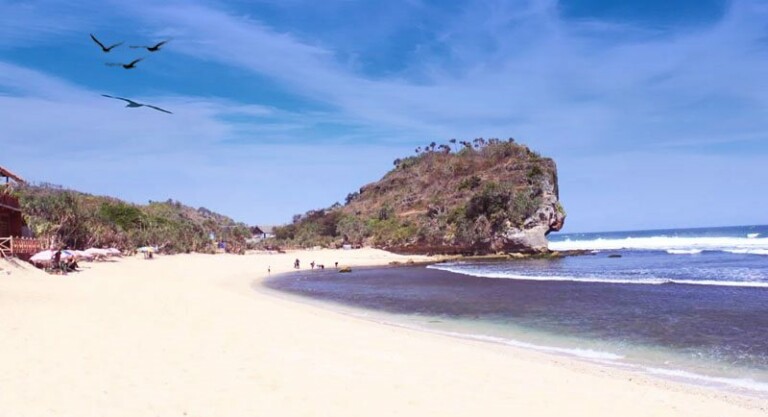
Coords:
pixel 81 220
pixel 461 197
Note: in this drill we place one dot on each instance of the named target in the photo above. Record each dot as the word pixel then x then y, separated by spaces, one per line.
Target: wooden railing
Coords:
pixel 5 247
pixel 22 247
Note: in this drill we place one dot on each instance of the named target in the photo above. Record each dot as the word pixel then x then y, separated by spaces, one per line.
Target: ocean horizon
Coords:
pixel 688 304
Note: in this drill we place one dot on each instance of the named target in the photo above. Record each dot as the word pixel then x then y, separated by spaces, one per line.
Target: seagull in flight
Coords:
pixel 129 65
pixel 132 103
pixel 105 49
pixel 151 48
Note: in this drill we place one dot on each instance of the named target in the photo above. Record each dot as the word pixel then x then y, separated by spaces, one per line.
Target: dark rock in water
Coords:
pixel 345 269
pixel 577 252
pixel 614 255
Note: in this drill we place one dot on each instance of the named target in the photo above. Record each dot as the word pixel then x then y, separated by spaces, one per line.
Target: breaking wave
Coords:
pixel 459 269
pixel 671 244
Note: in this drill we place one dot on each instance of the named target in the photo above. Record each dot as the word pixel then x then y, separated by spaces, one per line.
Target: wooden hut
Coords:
pixel 12 239
pixel 11 221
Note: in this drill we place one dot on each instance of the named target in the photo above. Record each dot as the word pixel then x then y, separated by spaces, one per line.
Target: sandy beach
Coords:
pixel 187 335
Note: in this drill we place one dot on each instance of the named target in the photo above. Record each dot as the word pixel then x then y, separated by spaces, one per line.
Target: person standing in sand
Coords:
pixel 57 262
pixel 296 263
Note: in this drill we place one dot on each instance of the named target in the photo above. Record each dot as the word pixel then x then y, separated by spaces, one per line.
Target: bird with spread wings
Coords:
pixel 130 65
pixel 132 103
pixel 104 48
pixel 151 48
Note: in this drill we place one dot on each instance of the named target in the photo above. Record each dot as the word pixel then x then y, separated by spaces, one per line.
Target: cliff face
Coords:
pixel 481 197
pixel 549 216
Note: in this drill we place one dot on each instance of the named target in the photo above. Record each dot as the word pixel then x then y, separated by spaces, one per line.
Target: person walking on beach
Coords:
pixel 312 264
pixel 269 270
pixel 336 265
pixel 296 263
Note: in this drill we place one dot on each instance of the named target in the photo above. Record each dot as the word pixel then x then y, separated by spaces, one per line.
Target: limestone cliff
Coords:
pixel 468 197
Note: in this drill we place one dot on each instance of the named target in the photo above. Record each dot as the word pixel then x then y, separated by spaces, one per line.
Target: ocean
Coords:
pixel 687 304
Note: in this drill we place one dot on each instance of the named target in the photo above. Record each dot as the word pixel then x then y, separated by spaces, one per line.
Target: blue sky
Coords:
pixel 656 111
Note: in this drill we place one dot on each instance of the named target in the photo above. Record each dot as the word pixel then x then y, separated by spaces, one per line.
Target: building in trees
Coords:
pixel 11 220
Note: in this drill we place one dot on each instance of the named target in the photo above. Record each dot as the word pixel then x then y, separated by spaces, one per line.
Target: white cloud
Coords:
pixel 531 74
pixel 55 131
pixel 573 89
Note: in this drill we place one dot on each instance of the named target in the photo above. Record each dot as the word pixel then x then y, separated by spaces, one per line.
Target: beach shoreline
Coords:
pixel 188 335
pixel 602 357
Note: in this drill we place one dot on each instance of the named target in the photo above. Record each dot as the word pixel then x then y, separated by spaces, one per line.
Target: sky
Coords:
pixel 656 112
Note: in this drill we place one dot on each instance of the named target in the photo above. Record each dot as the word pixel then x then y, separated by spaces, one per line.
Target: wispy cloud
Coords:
pixel 209 150
pixel 29 23
pixel 519 68
pixel 576 89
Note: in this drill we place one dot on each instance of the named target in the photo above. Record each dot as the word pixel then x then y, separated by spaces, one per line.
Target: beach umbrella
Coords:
pixel 97 253
pixel 84 255
pixel 46 256
pixel 147 249
pixel 40 257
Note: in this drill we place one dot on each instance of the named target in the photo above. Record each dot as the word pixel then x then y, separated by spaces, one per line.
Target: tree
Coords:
pixel 351 197
pixel 352 228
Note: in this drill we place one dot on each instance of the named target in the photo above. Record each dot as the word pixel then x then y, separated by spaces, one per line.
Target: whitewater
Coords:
pixel 670 244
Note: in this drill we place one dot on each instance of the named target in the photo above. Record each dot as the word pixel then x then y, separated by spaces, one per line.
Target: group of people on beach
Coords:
pixel 297 264
pixel 59 265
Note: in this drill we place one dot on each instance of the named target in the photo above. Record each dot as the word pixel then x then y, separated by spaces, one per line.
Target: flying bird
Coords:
pixel 105 49
pixel 129 65
pixel 152 48
pixel 132 103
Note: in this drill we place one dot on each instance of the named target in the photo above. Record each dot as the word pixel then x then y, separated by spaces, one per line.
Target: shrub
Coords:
pixel 470 183
pixel 352 229
pixel 351 197
pixel 492 203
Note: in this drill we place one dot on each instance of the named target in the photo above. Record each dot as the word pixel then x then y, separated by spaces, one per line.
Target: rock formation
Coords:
pixel 483 197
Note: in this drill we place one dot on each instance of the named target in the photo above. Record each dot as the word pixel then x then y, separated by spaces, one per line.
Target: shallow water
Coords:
pixel 698 316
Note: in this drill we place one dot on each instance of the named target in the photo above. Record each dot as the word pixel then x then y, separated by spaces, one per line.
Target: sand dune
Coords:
pixel 187 336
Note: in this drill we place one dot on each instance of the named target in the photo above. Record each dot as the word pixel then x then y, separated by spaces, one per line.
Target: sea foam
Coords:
pixel 745 245
pixel 458 269
pixel 684 251
pixel 744 383
pixel 578 352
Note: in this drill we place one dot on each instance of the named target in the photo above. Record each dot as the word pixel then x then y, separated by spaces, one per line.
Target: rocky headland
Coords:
pixel 479 197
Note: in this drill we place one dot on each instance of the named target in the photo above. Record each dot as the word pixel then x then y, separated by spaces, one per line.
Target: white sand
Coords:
pixel 188 336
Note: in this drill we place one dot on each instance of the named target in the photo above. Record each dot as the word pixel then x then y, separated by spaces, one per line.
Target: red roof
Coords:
pixel 5 173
